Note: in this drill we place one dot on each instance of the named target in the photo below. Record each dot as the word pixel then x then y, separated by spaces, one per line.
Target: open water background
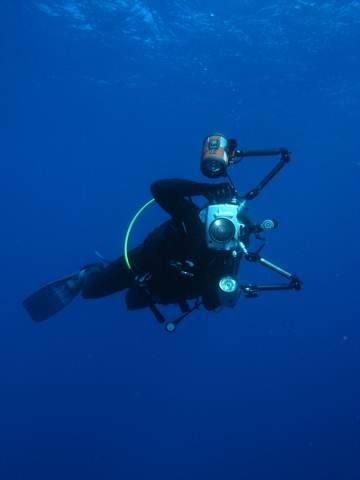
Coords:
pixel 98 98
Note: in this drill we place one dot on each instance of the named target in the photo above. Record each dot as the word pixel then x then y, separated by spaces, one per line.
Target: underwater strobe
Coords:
pixel 214 157
pixel 228 291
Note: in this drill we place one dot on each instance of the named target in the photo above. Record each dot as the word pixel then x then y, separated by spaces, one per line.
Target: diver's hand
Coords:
pixel 219 192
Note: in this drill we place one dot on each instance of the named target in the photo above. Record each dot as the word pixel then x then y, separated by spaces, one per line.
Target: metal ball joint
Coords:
pixel 170 327
pixel 269 224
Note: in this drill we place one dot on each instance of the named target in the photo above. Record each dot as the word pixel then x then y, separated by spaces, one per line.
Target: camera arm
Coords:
pixel 237 155
pixel 251 290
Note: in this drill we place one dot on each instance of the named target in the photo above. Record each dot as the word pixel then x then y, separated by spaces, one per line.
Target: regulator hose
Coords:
pixel 129 229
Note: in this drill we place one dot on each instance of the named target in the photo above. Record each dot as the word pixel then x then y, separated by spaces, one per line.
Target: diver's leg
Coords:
pixel 110 279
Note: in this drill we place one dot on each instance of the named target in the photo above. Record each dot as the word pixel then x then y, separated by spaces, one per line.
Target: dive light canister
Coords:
pixel 214 157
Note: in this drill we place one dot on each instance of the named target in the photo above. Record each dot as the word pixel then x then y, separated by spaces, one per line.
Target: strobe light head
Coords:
pixel 228 284
pixel 214 156
pixel 228 291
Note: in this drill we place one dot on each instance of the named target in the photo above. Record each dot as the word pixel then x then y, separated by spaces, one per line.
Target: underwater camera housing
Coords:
pixel 224 228
pixel 225 231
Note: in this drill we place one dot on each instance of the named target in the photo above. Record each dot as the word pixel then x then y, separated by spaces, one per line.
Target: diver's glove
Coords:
pixel 219 192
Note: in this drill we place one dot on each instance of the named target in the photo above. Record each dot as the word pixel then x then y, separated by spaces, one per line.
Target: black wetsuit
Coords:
pixel 175 255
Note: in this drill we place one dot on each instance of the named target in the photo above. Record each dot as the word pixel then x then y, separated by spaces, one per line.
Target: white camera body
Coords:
pixel 223 226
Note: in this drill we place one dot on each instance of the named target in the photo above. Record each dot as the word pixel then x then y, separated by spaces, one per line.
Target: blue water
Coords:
pixel 98 99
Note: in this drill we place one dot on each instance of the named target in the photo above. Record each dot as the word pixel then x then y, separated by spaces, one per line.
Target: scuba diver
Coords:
pixel 193 256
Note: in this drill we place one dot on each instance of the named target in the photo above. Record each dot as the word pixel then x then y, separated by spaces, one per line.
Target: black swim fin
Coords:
pixel 52 298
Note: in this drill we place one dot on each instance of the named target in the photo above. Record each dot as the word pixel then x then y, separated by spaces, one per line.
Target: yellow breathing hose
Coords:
pixel 129 229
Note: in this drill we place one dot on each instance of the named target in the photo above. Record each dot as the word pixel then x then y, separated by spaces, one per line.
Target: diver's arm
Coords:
pixel 171 194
